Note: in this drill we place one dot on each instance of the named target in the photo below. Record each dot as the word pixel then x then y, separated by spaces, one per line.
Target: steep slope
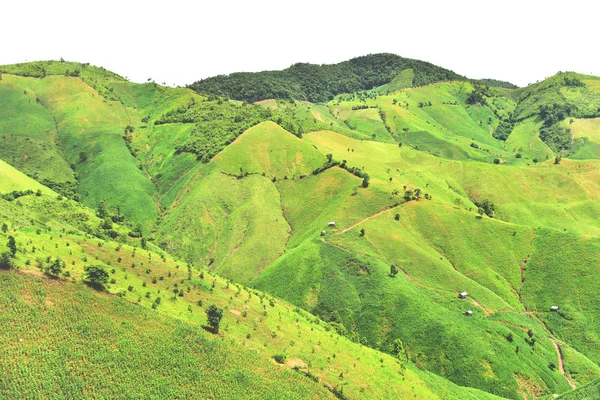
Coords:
pixel 235 204
pixel 588 392
pixel 556 100
pixel 70 341
pixel 440 251
pixel 61 329
pixel 12 180
pixel 77 127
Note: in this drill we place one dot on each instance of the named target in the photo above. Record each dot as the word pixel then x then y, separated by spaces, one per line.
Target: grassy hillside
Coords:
pixel 588 392
pixel 12 180
pixel 70 341
pixel 54 314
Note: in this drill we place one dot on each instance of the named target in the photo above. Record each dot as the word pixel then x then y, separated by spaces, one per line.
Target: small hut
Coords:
pixel 323 233
pixel 554 308
pixel 332 224
pixel 468 313
pixel 463 295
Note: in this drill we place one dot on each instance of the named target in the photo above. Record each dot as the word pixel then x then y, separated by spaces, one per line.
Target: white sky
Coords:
pixel 179 42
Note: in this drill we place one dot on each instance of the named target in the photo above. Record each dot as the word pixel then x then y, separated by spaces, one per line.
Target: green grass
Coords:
pixel 525 140
pixel 65 328
pixel 588 392
pixel 267 148
pixel 403 80
pixel 69 341
pixel 239 226
pixel 12 179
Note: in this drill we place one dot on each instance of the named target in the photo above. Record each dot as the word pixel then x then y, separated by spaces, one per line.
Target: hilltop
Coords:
pixel 436 184
pixel 318 83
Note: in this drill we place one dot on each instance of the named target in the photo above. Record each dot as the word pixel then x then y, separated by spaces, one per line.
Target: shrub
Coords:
pixel 12 246
pixel 279 358
pixel 214 315
pixel 96 275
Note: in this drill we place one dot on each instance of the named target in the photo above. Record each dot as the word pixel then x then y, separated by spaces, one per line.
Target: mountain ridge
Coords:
pixel 321 82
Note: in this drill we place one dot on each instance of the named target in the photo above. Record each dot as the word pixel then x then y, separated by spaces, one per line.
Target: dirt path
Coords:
pixel 523 328
pixel 485 310
pixel 366 219
pixel 416 282
pixel 561 366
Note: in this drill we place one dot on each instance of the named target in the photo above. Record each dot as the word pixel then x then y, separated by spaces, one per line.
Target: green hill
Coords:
pixel 588 392
pixel 337 234
pixel 318 83
pixel 71 339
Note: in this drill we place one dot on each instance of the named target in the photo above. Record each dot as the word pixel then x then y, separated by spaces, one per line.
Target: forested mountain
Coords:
pixel 319 83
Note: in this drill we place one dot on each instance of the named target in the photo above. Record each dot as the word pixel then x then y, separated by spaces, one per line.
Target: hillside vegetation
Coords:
pixel 318 83
pixel 73 336
pixel 335 222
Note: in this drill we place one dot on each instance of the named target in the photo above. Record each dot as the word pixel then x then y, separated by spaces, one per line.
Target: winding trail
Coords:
pixel 366 219
pixel 485 310
pixel 561 366
pixel 416 282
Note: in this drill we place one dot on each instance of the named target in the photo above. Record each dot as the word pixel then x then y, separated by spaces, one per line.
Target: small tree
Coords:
pixel 6 262
pixel 12 246
pixel 398 348
pixel 365 182
pixel 4 228
pixel 393 270
pixel 103 210
pixel 55 267
pixel 96 275
pixel 214 315
pixel 279 358
pixel 362 232
pixel 480 211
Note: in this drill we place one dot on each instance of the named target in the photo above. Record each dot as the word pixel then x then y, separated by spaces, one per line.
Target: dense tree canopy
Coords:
pixel 319 83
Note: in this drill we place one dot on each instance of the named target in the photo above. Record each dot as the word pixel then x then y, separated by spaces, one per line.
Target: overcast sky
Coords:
pixel 179 42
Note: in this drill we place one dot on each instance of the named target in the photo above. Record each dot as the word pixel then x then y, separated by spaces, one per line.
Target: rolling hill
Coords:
pixel 335 221
pixel 69 338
